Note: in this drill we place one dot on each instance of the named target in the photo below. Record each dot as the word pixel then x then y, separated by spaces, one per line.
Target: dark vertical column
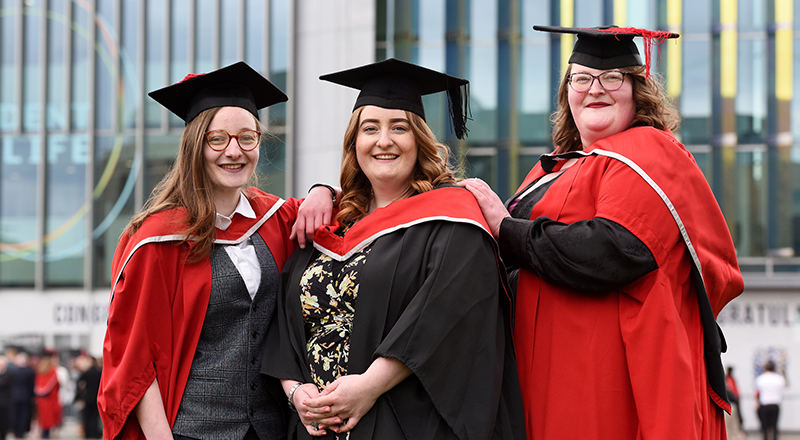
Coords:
pixel 779 140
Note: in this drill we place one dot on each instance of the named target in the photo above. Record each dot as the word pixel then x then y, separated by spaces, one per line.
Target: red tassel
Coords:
pixel 648 36
pixel 190 76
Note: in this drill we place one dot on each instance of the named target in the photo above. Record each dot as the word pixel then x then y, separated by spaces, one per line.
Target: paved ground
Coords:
pixel 71 431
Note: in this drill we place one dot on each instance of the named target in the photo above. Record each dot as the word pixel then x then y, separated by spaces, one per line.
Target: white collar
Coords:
pixel 243 208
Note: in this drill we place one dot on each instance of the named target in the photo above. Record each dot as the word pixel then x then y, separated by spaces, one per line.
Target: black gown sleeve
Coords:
pixel 595 255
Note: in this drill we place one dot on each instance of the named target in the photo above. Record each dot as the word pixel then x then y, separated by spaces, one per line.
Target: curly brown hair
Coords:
pixel 186 185
pixel 653 109
pixel 433 167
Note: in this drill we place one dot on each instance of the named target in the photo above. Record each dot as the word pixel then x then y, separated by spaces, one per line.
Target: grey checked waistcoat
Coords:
pixel 225 393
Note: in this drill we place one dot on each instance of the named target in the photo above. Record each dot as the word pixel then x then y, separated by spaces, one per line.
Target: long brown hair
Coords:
pixel 187 186
pixel 433 167
pixel 653 109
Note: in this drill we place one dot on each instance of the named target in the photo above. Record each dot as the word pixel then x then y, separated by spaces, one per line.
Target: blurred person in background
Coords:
pixel 733 421
pixel 48 405
pixel 22 394
pixel 87 387
pixel 769 395
pixel 66 383
pixel 5 396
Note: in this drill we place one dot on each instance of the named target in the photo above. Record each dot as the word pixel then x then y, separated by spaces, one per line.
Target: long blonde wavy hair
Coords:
pixel 433 167
pixel 653 109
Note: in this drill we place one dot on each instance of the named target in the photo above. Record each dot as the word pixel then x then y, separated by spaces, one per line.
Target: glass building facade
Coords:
pixel 81 144
pixel 731 73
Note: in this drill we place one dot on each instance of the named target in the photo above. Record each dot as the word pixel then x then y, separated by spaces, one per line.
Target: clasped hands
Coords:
pixel 338 407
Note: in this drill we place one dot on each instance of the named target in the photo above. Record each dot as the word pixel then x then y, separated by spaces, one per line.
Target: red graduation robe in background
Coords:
pixel 628 364
pixel 158 304
pixel 48 404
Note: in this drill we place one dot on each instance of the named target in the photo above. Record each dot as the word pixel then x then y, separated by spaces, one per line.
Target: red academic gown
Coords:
pixel 628 364
pixel 158 304
pixel 48 406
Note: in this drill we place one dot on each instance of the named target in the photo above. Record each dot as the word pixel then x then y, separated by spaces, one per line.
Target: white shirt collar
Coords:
pixel 243 208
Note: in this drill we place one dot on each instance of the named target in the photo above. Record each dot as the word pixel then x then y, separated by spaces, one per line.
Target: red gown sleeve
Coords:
pixel 149 334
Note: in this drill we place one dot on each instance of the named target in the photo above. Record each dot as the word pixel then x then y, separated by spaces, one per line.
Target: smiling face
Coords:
pixel 229 170
pixel 599 113
pixel 386 151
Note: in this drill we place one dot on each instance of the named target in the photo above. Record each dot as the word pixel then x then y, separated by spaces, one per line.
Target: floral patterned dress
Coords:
pixel 329 289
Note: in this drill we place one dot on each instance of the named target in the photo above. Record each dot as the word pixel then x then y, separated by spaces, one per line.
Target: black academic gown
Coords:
pixel 431 295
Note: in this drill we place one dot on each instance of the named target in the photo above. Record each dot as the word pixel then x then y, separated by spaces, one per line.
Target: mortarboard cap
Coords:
pixel 396 84
pixel 609 47
pixel 237 85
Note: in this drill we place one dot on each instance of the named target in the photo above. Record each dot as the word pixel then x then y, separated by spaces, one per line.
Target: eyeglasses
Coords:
pixel 611 80
pixel 219 140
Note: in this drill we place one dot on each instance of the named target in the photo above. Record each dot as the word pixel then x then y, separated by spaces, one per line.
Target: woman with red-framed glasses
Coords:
pixel 196 275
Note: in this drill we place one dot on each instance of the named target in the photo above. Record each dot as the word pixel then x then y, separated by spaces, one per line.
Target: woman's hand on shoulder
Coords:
pixel 493 209
pixel 315 211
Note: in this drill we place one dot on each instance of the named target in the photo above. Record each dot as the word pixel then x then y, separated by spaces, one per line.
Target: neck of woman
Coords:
pixel 225 203
pixel 382 199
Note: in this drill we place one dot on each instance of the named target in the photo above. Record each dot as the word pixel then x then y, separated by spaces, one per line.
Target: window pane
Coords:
pixel 483 166
pixel 278 55
pixel 795 189
pixel 179 39
pixel 65 228
pixel 56 67
pixel 751 209
pixel 20 156
pixel 255 35
pixel 796 98
pixel 641 14
pixel 751 98
pixel 160 153
pixel 751 16
pixel 588 13
pixel 537 84
pixel 115 174
pixel 272 165
pixel 154 63
pixel 482 62
pixel 31 92
pixel 129 47
pixel 527 159
pixel 702 155
pixel 431 34
pixel 104 93
pixel 697 18
pixel 231 26
pixel 81 50
pixel 535 92
pixel 105 63
pixel 696 95
pixel 204 35
pixel 9 116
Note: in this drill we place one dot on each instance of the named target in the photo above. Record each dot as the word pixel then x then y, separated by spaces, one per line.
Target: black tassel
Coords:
pixel 459 109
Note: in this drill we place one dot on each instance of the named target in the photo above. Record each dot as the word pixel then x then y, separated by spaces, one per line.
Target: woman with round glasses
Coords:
pixel 621 259
pixel 196 275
